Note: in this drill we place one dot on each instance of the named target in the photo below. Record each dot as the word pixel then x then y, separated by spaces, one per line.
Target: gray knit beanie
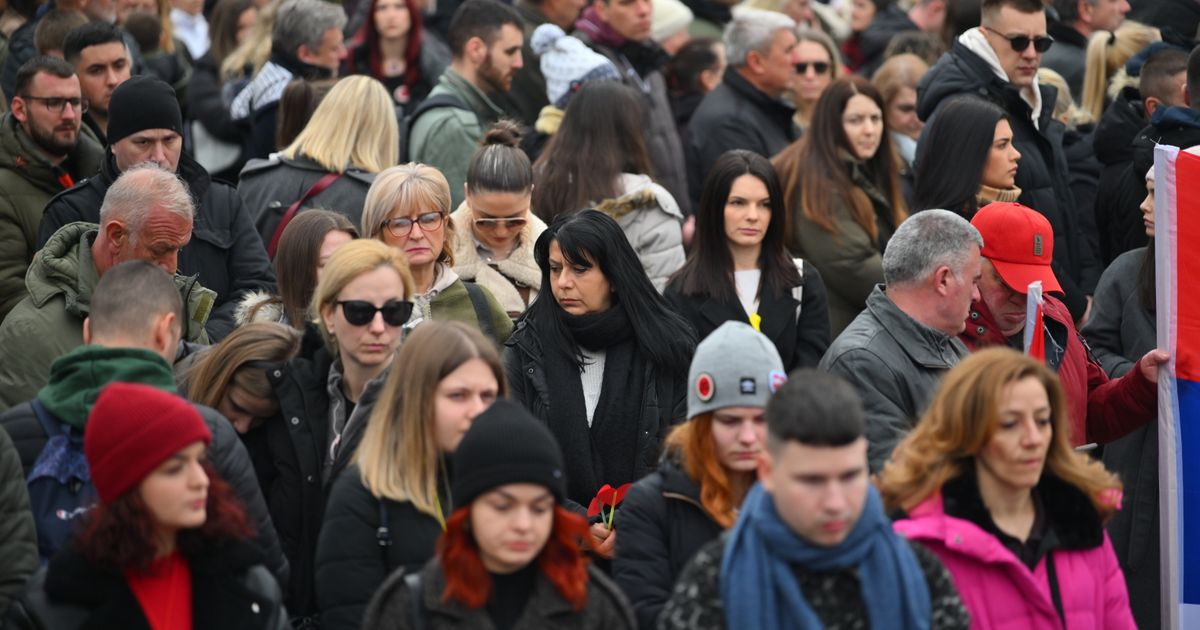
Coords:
pixel 735 366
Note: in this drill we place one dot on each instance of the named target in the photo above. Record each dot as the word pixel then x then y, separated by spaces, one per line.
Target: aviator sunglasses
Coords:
pixel 361 312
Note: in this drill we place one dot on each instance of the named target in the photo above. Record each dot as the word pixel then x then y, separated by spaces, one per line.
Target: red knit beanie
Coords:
pixel 131 430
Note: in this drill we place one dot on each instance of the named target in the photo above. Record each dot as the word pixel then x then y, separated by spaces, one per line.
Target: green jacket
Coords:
pixel 49 323
pixel 77 377
pixel 18 536
pixel 446 137
pixel 453 304
pixel 27 181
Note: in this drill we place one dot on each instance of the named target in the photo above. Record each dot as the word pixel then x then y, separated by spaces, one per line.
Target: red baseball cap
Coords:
pixel 1020 244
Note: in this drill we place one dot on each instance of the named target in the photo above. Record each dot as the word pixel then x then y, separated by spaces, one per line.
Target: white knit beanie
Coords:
pixel 568 63
pixel 669 18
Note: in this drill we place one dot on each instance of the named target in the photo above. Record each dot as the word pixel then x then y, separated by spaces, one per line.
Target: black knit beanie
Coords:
pixel 143 102
pixel 504 445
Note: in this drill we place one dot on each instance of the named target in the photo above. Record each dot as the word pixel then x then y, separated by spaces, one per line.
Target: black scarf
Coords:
pixel 605 453
pixel 644 57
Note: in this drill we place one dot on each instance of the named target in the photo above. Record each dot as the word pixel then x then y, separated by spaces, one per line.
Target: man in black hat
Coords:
pixel 145 125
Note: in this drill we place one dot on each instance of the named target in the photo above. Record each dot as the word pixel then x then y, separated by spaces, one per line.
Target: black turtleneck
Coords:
pixel 510 593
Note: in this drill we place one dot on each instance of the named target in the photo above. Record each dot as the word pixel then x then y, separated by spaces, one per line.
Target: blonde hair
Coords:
pixel 354 125
pixel 404 187
pixel 1107 54
pixel 349 262
pixel 1064 106
pixel 399 458
pixel 255 49
pixel 962 419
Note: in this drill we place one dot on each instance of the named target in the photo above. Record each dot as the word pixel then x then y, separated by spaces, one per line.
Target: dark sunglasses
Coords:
pixel 1020 42
pixel 820 67
pixel 361 312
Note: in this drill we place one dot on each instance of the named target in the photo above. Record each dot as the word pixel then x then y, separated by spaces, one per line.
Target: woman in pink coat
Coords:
pixel 991 485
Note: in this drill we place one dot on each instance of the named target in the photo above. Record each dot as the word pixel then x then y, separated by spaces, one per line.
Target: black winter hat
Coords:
pixel 143 102
pixel 504 445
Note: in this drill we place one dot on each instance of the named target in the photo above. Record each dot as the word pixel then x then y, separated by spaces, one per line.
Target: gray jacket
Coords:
pixel 269 187
pixel 895 363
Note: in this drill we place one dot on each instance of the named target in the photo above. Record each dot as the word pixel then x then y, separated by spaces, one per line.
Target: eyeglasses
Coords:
pixel 401 227
pixel 1020 42
pixel 361 312
pixel 512 223
pixel 819 67
pixel 57 104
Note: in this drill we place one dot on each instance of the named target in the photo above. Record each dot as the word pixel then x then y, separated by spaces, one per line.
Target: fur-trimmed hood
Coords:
pixel 500 277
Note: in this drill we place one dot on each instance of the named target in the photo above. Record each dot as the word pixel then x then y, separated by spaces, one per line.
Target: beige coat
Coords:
pixel 499 277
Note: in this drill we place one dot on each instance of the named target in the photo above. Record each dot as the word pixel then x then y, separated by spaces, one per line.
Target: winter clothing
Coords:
pixel 18 538
pixel 887 24
pixel 1119 227
pixel 256 107
pixel 269 187
pixel 131 430
pixel 208 99
pixel 448 300
pixel 446 137
pixel 663 524
pixel 514 281
pixel 971 67
pixel 27 181
pixel 1068 55
pixel 432 62
pixel 567 63
pixel 225 252
pixel 735 115
pixel 506 445
pixel 668 18
pixel 49 323
pixel 895 363
pixel 847 254
pixel 1121 330
pixel 801 339
pixel 140 103
pixel 391 607
pixel 230 589
pixel 357 550
pixel 1019 244
pixel 653 223
pixel 527 96
pixel 735 366
pixel 998 589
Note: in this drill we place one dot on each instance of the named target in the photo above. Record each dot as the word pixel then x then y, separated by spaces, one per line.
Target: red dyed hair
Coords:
pixel 694 441
pixel 562 560
pixel 368 35
pixel 120 535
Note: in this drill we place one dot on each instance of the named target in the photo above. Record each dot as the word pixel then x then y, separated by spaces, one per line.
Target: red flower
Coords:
pixel 607 497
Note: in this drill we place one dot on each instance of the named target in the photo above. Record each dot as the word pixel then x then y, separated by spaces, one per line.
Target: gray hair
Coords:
pixel 140 190
pixel 304 23
pixel 925 241
pixel 753 30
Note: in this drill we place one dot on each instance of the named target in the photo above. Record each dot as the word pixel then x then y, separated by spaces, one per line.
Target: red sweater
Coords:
pixel 164 592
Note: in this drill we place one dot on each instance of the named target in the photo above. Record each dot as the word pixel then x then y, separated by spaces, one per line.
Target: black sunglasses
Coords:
pixel 1020 42
pixel 361 312
pixel 820 67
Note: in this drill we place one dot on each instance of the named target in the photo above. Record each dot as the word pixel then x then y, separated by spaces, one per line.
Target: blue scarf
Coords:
pixel 760 589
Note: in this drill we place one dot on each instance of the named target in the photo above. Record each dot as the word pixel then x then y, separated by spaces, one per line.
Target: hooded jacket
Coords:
pixel 27 181
pixel 1043 176
pixel 49 323
pixel 1119 227
pixel 225 251
pixel 653 223
pixel 501 278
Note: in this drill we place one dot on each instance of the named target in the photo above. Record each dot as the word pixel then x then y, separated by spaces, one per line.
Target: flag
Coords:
pixel 1177 266
pixel 1035 338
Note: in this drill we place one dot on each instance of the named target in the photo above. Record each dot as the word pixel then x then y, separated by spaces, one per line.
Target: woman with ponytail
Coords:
pixel 510 556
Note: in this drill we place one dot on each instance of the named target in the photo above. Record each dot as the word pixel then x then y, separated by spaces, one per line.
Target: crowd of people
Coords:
pixel 560 314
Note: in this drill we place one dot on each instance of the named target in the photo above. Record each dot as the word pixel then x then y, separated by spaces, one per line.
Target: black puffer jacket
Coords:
pixel 1118 221
pixel 1043 177
pixel 225 250
pixel 662 526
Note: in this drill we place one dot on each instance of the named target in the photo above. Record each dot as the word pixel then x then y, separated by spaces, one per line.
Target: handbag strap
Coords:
pixel 317 188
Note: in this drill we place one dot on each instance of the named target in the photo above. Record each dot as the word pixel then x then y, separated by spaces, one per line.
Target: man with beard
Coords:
pixel 41 153
pixel 485 41
pixel 102 62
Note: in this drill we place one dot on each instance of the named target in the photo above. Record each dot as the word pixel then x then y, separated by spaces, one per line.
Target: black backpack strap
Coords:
pixel 482 312
pixel 383 535
pixel 433 102
pixel 1052 577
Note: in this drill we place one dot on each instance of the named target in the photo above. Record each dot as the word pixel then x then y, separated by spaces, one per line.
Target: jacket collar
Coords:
pixel 471 96
pixel 19 153
pixel 545 603
pixel 65 267
pixel 928 347
pixel 77 377
pixel 982 330
pixel 1065 34
pixel 741 86
pixel 188 169
pixel 975 41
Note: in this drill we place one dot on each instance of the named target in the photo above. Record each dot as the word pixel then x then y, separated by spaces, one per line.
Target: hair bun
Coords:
pixel 544 37
pixel 504 133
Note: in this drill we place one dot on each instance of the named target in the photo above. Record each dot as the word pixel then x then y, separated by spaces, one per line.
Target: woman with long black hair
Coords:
pixel 739 268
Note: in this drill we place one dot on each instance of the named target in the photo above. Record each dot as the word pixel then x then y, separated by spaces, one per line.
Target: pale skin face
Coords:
pixel 371 346
pixel 902 114
pixel 747 213
pixel 392 19
pixel 161 146
pixel 56 132
pixel 511 525
pixel 809 85
pixel 1006 304
pixel 1020 66
pixel 579 287
pixel 421 247
pixel 328 54
pixel 101 69
pixel 499 237
pixel 1011 463
pixel 245 24
pixel 503 60
pixel 176 492
pixel 819 492
pixel 629 18
pixel 332 241
pixel 244 410
pixel 776 69
pixel 960 289
pixel 739 434
pixel 863 121
pixel 1107 15
pixel 463 394
pixel 161 237
pixel 1000 170
pixel 1147 207
pixel 861 14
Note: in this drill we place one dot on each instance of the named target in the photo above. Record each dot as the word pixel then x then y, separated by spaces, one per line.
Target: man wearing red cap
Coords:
pixel 1018 247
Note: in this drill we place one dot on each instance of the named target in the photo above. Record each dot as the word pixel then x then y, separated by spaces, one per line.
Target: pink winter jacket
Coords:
pixel 1001 593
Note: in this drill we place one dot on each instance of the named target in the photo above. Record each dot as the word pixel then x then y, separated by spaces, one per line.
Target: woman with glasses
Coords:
pixel 407 208
pixel 387 511
pixel 818 65
pixel 499 190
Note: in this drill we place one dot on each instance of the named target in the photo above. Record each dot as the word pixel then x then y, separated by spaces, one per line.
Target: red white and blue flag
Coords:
pixel 1177 266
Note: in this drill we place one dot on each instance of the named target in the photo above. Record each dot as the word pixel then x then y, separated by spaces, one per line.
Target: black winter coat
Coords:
pixel 663 525
pixel 1084 171
pixel 735 115
pixel 874 41
pixel 800 337
pixel 1118 220
pixel 230 590
pixel 226 453
pixel 352 559
pixel 1043 177
pixel 269 187
pixel 225 250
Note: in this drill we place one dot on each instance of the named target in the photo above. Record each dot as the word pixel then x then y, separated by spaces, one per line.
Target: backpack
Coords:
pixel 60 483
pixel 433 102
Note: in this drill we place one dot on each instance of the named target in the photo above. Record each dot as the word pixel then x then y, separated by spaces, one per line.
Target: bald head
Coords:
pixel 146 215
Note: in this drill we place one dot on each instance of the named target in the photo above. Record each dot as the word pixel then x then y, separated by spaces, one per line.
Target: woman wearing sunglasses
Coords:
pixel 387 511
pixel 819 64
pixel 407 208
pixel 499 190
